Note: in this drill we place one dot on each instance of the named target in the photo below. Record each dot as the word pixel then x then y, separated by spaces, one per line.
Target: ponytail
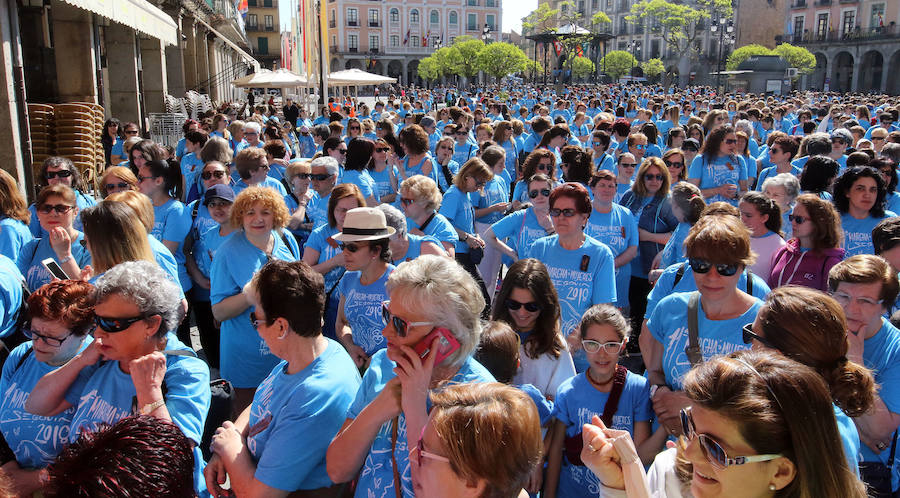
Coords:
pixel 852 386
pixel 689 199
pixel 170 172
pixel 766 207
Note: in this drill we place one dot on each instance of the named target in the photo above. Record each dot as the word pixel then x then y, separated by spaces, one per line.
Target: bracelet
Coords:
pixel 65 260
pixel 150 407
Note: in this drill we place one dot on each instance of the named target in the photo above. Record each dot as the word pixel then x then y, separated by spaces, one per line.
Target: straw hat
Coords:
pixel 364 223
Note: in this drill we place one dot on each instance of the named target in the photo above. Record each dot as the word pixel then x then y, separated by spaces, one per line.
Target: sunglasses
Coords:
pixel 568 212
pixel 592 347
pixel 480 183
pixel 63 173
pixel 400 325
pixel 142 178
pixel 711 448
pixel 530 306
pixel 254 320
pixel 59 208
pixel 114 186
pixel 218 204
pixel 354 127
pixel 253 133
pixel 382 149
pixel 50 341
pixel 640 146
pixel 321 177
pixel 878 139
pixel 462 133
pixel 730 141
pixel 651 176
pixel 798 219
pixel 544 166
pixel 628 165
pixel 131 132
pixel 671 164
pixel 206 175
pixel 749 336
pixel 302 176
pixel 702 266
pixel 113 325
pixel 350 246
pixel 544 192
pixel 342 151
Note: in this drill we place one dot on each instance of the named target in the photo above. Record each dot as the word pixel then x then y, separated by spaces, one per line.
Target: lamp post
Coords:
pixel 486 33
pixel 722 26
pixel 631 46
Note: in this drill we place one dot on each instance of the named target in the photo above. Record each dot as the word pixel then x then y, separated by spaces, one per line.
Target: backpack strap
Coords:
pixel 679 274
pixel 612 403
pixel 749 282
pixel 23 358
pixel 694 355
pixel 285 240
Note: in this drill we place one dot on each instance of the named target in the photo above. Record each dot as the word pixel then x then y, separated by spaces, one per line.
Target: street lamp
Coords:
pixel 486 33
pixel 722 26
pixel 631 46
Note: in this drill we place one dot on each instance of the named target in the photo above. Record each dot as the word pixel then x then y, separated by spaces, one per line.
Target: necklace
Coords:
pixel 595 383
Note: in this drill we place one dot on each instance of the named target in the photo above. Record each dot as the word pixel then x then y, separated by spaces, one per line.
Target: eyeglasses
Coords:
pixel 798 219
pixel 879 139
pixel 568 212
pixel 544 166
pixel 672 164
pixel 342 151
pixel 711 448
pixel 837 141
pixel 406 202
pixel 844 300
pixel 730 141
pixel 321 177
pixel 422 453
pixel 749 336
pixel 206 175
pixel 350 246
pixel 479 182
pixel 651 176
pixel 113 325
pixel 253 133
pixel 142 178
pixel 544 192
pixel 114 186
pixel 530 306
pixel 595 346
pixel 131 132
pixel 50 341
pixel 63 173
pixel 256 321
pixel 354 127
pixel 702 266
pixel 462 132
pixel 59 208
pixel 400 325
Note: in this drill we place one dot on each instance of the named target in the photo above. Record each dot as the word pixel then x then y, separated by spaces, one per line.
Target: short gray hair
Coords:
pixel 252 125
pixel 329 163
pixel 745 126
pixel 447 295
pixel 394 218
pixel 790 183
pixel 147 286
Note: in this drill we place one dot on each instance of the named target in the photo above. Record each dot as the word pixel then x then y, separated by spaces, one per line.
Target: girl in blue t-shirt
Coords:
pixel 719 171
pixel 603 332
pixel 161 181
pixel 859 197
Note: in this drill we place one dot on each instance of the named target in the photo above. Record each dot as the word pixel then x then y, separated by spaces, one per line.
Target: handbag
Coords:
pixel 877 475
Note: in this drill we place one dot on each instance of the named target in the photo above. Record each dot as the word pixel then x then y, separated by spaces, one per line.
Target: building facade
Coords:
pixel 856 43
pixel 390 37
pixel 264 32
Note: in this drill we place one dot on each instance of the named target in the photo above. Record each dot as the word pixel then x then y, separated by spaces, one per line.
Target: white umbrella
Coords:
pixel 357 77
pixel 265 78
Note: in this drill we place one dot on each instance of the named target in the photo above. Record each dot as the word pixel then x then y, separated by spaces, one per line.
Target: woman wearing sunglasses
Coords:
pixel 718 250
pixel 418 160
pixel 814 248
pixel 365 245
pixel 60 315
pixel 135 364
pixel 582 268
pixel 527 301
pixel 420 199
pixel 780 154
pixel 429 295
pixel 58 170
pixel 63 243
pixel 117 179
pixel 719 170
pixel 600 142
pixel 360 153
pixel 515 232
pixel 384 172
pixel 539 162
pixel 443 158
pixel 616 227
pixel 759 425
pixel 603 332
pixel 674 159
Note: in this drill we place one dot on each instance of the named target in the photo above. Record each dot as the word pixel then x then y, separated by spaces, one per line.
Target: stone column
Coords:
pixel 189 32
pixel 215 70
pixel 203 72
pixel 154 77
pixel 73 37
pixel 11 156
pixel 121 46
pixel 175 60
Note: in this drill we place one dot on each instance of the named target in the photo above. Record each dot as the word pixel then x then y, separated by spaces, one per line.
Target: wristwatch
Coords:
pixel 655 387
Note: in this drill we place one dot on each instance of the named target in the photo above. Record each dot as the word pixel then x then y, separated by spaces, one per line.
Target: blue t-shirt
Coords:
pixel 770 172
pixel 438 228
pixel 321 240
pixel 576 402
pixel 719 171
pixel 619 231
pixel 858 233
pixel 362 308
pixel 414 250
pixel 519 230
pixel 109 396
pixel 204 253
pixel 11 295
pixel 543 405
pixel 164 258
pixel 849 439
pixel 34 439
pixel 13 236
pixel 268 181
pixel 203 221
pixel 245 357
pixel 317 209
pixel 191 165
pixel 382 179
pixel 377 475
pixel 494 192
pixel 172 222
pixel 673 252
pixel 666 285
pixel 418 169
pixel 298 411
pixel 458 209
pixel 881 354
pixel 668 324
pixel 362 180
pixel 37 250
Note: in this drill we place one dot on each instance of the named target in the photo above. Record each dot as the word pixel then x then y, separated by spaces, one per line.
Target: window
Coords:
pixel 472 23
pixel 595 4
pixel 489 3
pixel 270 25
pixel 489 20
pixel 848 22
pixel 267 3
pixel 877 20
pixel 454 18
pixel 395 41
pixel 414 16
pixel 353 43
pixel 472 3
pixel 252 22
pixel 374 43
pixel 251 3
pixel 623 25
pixel 654 49
pixel 415 40
pixel 564 9
pixel 638 50
pixel 373 18
pixel 352 17
pixel 822 25
pixel 395 16
pixel 798 27
pixel 263 44
pixel 434 18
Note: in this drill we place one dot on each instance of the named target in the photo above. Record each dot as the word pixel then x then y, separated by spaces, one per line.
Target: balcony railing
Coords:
pixel 798 4
pixel 374 23
pixel 374 50
pixel 332 24
pixel 352 23
pixel 353 50
pixel 823 3
pixel 862 35
pixel 252 27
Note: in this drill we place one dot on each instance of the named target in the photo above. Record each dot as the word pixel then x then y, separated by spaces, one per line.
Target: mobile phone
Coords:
pixel 53 267
pixel 447 345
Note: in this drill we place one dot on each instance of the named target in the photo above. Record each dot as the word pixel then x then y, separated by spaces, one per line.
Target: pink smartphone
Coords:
pixel 447 345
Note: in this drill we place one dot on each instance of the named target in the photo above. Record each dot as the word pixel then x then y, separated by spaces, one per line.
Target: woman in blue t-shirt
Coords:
pixel 161 181
pixel 356 168
pixel 719 171
pixel 615 226
pixel 14 218
pixel 58 170
pixel 859 196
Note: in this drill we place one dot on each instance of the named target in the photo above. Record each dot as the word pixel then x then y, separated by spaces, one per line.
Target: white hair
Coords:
pixel 329 163
pixel 252 125
pixel 147 286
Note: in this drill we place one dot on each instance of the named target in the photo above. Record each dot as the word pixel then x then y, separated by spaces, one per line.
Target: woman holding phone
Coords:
pixel 434 303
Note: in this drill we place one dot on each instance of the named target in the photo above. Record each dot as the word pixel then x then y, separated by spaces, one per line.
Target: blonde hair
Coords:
pixel 296 168
pixel 119 172
pixel 638 186
pixel 12 204
pixel 423 188
pixel 474 167
pixel 720 240
pixel 140 204
pixel 113 237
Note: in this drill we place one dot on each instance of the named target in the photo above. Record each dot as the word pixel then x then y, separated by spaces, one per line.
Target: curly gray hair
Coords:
pixel 790 183
pixel 146 285
pixel 394 219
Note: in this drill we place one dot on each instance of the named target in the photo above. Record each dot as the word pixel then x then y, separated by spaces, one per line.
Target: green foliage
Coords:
pixel 678 20
pixel 447 58
pixel 617 63
pixel 533 66
pixel 541 19
pixel 429 69
pixel 744 53
pixel 581 67
pixel 653 68
pixel 502 59
pixel 600 18
pixel 467 65
pixel 798 57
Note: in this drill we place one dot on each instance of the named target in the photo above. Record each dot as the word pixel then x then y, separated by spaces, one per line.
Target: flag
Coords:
pixel 424 40
pixel 880 21
pixel 241 6
pixel 558 47
pixel 406 40
pixel 579 52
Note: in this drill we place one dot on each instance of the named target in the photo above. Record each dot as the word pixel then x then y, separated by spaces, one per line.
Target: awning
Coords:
pixel 244 55
pixel 139 15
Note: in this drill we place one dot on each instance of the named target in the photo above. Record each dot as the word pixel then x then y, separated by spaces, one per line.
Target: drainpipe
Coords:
pixel 20 102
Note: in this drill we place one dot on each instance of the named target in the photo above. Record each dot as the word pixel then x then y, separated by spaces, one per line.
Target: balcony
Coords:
pixel 353 50
pixel 375 51
pixel 798 4
pixel 823 3
pixel 228 21
pixel 266 4
pixel 848 1
pixel 252 27
pixel 332 24
pixel 353 23
pixel 852 37
pixel 270 28
pixel 374 24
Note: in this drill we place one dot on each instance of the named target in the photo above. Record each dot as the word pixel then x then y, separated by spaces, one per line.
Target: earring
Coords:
pixel 771 487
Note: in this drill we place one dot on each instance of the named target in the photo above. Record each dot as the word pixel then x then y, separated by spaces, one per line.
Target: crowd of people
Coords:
pixel 503 292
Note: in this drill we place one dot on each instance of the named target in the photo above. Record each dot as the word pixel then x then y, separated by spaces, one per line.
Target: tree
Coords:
pixel 653 68
pixel 429 69
pixel 469 48
pixel 447 59
pixel 502 59
pixel 541 19
pixel 581 67
pixel 798 57
pixel 617 63
pixel 743 53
